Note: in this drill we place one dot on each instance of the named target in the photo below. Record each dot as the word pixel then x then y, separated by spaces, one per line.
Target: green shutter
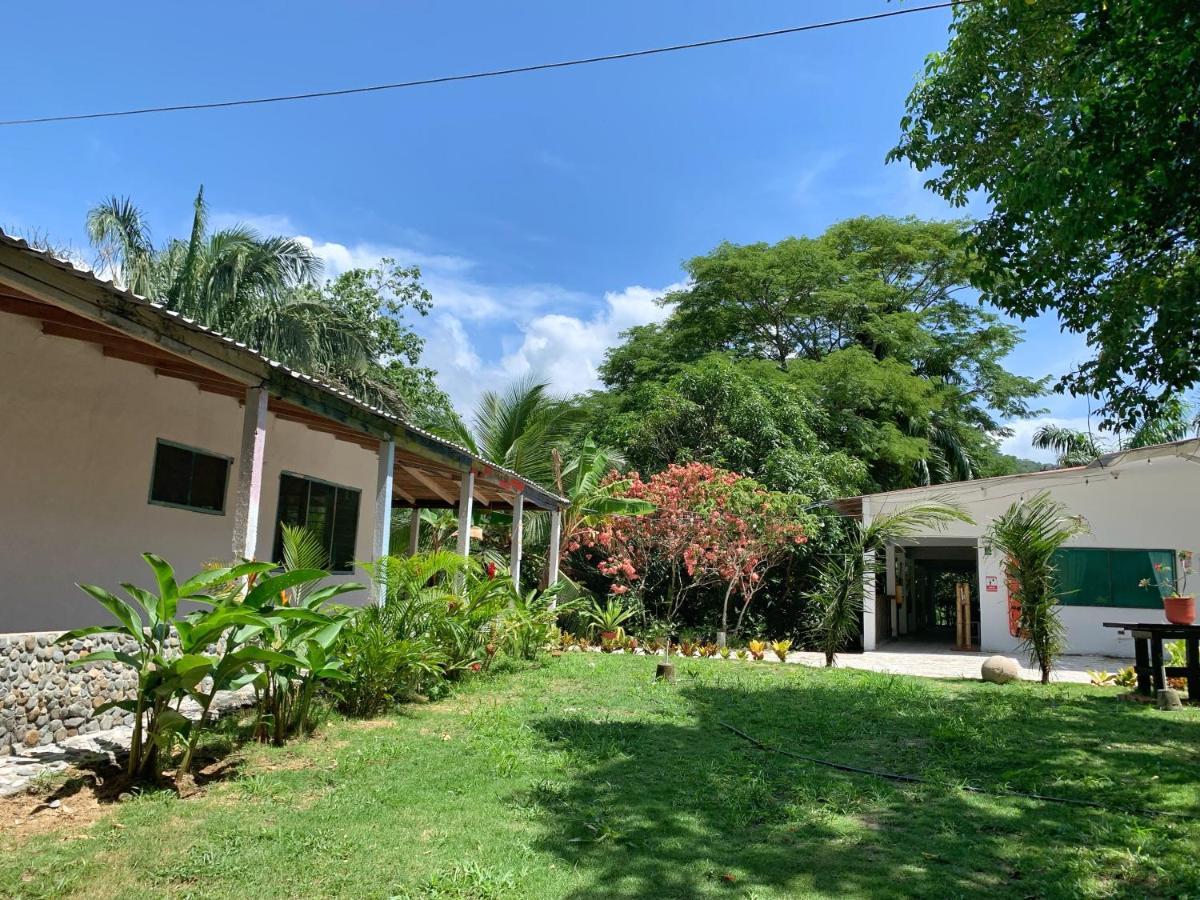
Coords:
pixel 1088 576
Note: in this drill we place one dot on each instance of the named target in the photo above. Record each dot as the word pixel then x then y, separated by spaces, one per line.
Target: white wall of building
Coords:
pixel 77 441
pixel 1140 504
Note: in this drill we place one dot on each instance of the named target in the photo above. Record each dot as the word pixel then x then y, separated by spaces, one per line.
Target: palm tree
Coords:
pixel 119 232
pixel 1028 534
pixel 1074 448
pixel 841 575
pixel 947 458
pixel 256 289
pixel 594 495
pixel 1176 420
pixel 519 428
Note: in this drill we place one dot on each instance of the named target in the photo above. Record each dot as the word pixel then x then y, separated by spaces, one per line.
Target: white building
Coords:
pixel 1140 507
pixel 126 428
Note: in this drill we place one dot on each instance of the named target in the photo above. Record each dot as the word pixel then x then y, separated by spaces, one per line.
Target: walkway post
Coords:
pixel 383 509
pixel 552 551
pixel 249 477
pixel 518 536
pixel 466 500
pixel 868 606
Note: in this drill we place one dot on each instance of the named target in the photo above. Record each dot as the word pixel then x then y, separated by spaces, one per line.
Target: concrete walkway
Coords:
pixel 932 661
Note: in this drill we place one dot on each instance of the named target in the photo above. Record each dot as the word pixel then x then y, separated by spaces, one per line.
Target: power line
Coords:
pixel 493 73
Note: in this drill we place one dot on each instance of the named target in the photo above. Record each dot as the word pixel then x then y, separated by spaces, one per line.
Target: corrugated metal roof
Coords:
pixel 86 273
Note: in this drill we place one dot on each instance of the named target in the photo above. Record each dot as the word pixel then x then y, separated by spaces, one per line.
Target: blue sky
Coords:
pixel 546 210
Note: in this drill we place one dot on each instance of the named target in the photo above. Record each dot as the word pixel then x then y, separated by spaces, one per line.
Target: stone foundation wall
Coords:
pixel 44 699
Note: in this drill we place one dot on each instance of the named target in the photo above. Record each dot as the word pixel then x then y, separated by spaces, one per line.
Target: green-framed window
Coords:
pixel 330 511
pixel 187 478
pixel 1089 576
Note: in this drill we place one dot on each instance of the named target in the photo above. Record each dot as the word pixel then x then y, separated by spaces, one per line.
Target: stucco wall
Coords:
pixel 1140 505
pixel 77 439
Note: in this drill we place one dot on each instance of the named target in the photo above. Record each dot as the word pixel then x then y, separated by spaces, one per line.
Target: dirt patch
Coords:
pixel 288 764
pixel 368 724
pixel 68 810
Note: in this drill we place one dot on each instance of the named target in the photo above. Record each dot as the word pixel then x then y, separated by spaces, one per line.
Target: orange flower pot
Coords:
pixel 1180 610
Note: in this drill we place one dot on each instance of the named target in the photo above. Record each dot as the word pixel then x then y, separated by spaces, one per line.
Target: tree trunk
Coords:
pixel 829 655
pixel 725 610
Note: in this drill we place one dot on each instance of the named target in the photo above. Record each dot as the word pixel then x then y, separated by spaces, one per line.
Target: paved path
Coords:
pixel 905 658
pixel 17 770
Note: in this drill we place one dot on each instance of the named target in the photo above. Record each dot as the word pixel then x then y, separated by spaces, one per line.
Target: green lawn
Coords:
pixel 584 779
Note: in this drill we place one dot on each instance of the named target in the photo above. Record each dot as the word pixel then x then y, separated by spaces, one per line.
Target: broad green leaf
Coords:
pixel 127 705
pixel 148 601
pixel 108 656
pixel 316 598
pixel 124 613
pixel 267 592
pixel 201 583
pixel 168 592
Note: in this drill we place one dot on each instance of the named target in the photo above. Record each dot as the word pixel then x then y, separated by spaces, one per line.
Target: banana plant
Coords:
pixel 293 647
pixel 163 677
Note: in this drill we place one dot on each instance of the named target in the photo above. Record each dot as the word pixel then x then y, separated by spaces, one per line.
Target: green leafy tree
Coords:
pixel 1080 122
pixel 869 334
pixel 1029 533
pixel 742 416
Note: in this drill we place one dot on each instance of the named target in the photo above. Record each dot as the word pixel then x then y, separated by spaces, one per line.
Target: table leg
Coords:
pixel 1193 669
pixel 1157 673
pixel 1141 659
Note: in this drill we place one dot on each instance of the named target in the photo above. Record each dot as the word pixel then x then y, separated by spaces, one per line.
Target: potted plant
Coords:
pixel 608 619
pixel 1179 607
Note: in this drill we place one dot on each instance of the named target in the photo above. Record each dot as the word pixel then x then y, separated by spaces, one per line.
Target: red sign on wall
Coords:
pixel 993 584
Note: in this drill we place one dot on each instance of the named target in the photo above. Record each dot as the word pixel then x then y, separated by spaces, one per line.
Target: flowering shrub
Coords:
pixel 710 528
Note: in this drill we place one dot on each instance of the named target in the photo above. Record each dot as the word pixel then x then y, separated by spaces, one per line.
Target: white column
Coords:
pixel 868 615
pixel 868 587
pixel 466 499
pixel 383 510
pixel 518 536
pixel 249 477
pixel 552 551
pixel 893 610
pixel 414 532
pixel 383 498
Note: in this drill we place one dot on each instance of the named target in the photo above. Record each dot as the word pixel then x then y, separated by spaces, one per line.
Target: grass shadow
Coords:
pixel 674 805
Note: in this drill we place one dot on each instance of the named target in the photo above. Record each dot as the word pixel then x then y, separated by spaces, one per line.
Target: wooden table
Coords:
pixel 1148 639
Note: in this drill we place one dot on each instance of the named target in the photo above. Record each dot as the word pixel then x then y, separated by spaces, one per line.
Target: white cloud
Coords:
pixel 482 335
pixel 562 349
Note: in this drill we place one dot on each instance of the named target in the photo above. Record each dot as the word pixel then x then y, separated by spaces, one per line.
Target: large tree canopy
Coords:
pixel 854 360
pixel 1079 120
